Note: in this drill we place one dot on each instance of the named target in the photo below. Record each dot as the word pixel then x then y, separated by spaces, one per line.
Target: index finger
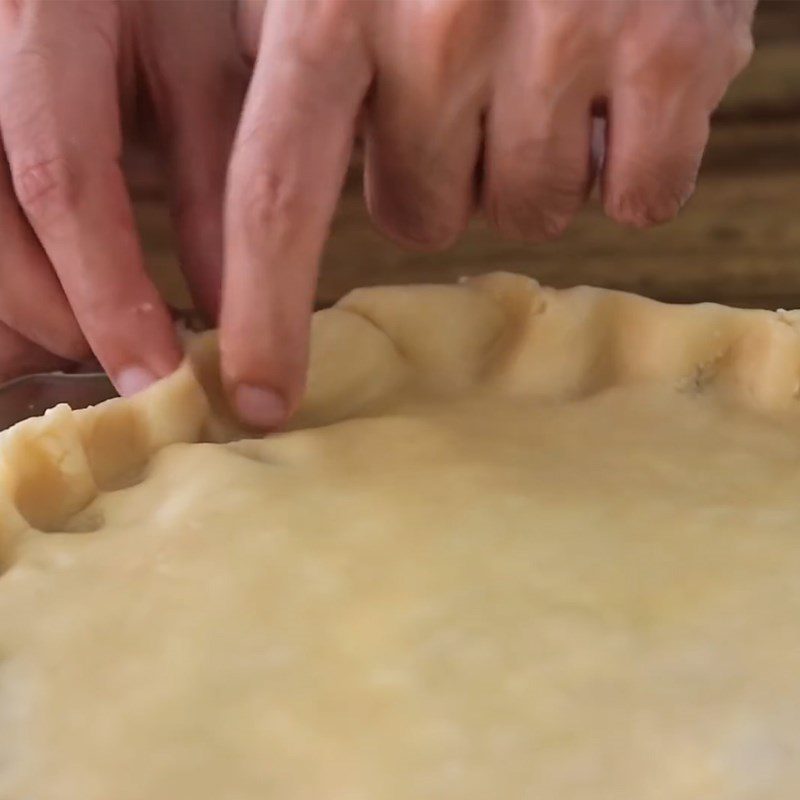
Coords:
pixel 288 165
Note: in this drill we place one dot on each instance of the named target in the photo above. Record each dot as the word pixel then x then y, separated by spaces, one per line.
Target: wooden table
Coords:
pixel 737 242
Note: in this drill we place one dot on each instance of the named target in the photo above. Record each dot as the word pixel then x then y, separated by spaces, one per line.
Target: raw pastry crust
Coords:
pixel 520 543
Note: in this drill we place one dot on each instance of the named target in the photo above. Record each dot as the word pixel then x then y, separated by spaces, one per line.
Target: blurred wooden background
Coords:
pixel 737 241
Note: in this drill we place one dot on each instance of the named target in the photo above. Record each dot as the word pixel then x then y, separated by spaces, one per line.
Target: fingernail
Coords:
pixel 133 379
pixel 259 407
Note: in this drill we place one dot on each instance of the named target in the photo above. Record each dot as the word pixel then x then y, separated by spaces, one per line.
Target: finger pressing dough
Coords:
pixel 519 544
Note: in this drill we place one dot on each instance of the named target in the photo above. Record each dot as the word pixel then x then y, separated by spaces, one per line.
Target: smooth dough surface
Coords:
pixel 522 544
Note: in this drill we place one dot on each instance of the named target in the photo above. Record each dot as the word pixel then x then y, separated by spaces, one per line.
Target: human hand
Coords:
pixel 72 73
pixel 464 102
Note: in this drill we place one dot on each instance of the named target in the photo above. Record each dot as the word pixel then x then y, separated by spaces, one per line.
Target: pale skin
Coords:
pixel 465 106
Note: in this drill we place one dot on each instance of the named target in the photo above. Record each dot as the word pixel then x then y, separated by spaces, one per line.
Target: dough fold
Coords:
pixel 500 332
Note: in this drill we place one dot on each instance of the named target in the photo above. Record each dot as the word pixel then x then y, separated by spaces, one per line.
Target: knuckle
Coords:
pixel 575 31
pixel 424 206
pixel 47 188
pixel 26 57
pixel 741 51
pixel 424 232
pixel 669 53
pixel 638 209
pixel 680 56
pixel 651 193
pixel 330 29
pixel 452 29
pixel 268 199
pixel 528 221
pixel 426 237
pixel 417 225
pixel 548 226
pixel 691 43
pixel 537 205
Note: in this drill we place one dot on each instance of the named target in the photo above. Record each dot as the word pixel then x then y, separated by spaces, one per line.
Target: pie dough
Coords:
pixel 521 544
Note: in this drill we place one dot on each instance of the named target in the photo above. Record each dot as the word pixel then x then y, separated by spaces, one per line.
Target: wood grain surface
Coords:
pixel 737 241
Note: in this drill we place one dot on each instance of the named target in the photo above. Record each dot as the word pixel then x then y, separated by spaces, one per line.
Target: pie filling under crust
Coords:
pixel 521 543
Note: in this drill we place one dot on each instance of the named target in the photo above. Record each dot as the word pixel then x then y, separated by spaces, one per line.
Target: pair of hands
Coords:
pixel 462 104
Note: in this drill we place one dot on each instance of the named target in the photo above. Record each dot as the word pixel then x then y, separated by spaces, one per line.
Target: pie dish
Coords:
pixel 519 543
